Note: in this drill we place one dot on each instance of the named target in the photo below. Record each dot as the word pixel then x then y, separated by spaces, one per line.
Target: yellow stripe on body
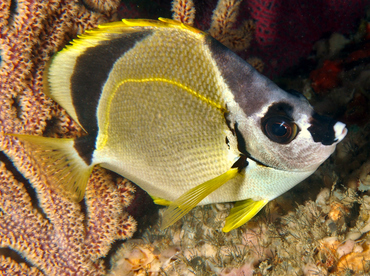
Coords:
pixel 103 138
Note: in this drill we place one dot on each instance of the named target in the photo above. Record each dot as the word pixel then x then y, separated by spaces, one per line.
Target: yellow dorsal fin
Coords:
pixel 181 206
pixel 160 23
pixel 66 171
pixel 242 212
pixel 129 25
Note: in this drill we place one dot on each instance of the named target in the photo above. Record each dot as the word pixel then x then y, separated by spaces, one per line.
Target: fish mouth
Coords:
pixel 325 130
pixel 340 131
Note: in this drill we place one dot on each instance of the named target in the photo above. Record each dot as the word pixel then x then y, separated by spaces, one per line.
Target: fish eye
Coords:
pixel 280 129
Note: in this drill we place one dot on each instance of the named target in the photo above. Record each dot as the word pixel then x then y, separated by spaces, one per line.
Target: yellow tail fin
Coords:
pixel 67 171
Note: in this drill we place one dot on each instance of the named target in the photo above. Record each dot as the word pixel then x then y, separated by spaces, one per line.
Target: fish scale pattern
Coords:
pixel 161 114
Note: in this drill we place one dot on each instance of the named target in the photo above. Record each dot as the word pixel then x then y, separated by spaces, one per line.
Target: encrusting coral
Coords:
pixel 62 242
pixel 183 11
pixel 222 22
pixel 53 235
pixel 222 26
pixel 315 239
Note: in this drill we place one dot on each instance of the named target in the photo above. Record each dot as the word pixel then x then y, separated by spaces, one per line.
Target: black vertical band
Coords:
pixel 91 72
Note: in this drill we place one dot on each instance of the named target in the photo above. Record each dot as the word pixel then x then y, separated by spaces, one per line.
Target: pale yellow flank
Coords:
pixel 104 135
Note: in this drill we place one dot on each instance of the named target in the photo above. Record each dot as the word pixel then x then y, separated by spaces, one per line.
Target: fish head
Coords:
pixel 282 131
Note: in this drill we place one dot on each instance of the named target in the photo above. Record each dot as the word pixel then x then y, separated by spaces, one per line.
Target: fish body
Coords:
pixel 172 109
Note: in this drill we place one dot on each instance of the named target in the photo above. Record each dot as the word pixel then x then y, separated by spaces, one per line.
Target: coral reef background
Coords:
pixel 42 232
pixel 285 31
pixel 321 227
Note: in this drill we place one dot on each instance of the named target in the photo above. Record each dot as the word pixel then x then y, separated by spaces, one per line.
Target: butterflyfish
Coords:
pixel 175 111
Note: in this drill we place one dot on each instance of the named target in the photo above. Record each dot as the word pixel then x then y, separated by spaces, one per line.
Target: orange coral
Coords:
pixel 9 266
pixel 337 211
pixel 103 6
pixel 56 236
pixel 61 243
pixel 183 11
pixel 327 252
pixel 139 258
pixel 28 38
pixel 356 261
pixel 222 26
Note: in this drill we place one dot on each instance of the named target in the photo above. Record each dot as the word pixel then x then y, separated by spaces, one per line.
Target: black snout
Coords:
pixel 322 129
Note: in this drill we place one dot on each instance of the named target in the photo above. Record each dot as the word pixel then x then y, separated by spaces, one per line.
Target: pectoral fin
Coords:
pixel 181 206
pixel 242 212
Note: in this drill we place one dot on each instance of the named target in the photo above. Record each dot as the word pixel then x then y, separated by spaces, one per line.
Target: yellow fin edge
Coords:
pixel 112 27
pixel 94 36
pixel 66 171
pixel 160 23
pixel 242 212
pixel 181 206
pixel 161 201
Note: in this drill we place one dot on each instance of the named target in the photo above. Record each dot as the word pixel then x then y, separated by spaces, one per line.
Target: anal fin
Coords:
pixel 66 170
pixel 242 212
pixel 181 206
pixel 161 201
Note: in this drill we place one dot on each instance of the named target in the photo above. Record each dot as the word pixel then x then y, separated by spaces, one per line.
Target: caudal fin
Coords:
pixel 62 164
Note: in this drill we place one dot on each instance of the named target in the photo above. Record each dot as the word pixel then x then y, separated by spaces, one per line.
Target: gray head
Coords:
pixel 276 128
pixel 286 133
